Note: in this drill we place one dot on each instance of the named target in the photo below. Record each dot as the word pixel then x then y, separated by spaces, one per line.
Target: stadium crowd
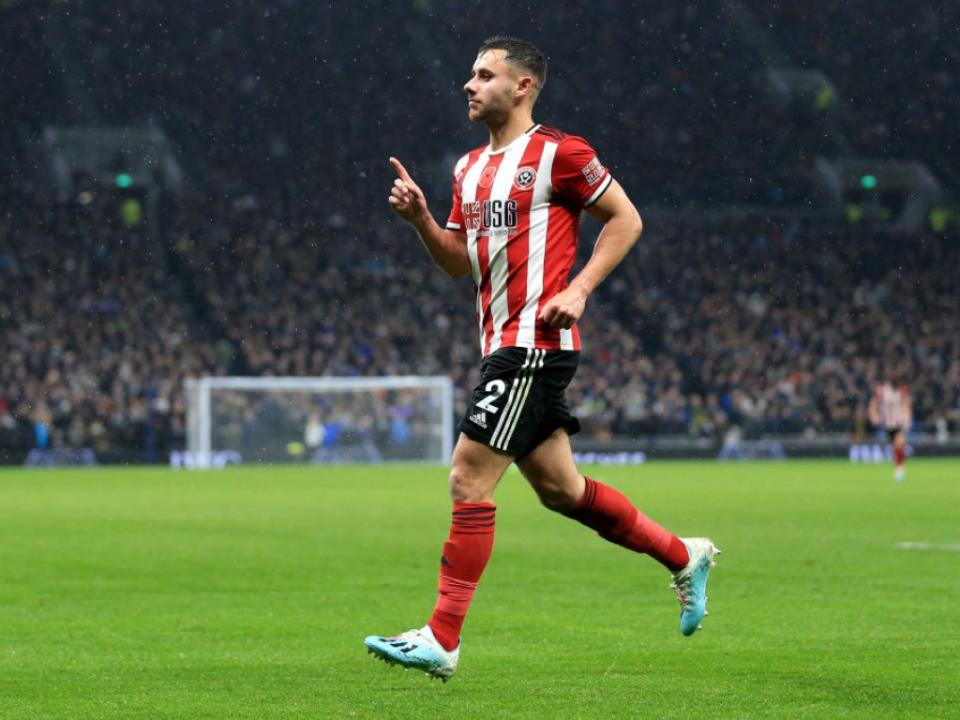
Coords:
pixel 283 259
pixel 96 334
pixel 772 328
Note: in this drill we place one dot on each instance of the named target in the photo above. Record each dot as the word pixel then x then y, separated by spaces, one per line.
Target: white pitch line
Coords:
pixel 949 547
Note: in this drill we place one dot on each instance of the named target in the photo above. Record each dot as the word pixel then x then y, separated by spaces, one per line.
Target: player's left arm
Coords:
pixel 621 230
pixel 873 411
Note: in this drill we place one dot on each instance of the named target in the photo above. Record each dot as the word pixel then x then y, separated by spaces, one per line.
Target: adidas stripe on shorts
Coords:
pixel 520 399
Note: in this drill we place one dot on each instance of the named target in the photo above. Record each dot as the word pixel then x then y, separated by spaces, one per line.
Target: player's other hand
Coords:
pixel 564 308
pixel 406 197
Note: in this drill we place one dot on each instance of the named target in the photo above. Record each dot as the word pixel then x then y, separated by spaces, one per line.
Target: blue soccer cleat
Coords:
pixel 416 649
pixel 691 583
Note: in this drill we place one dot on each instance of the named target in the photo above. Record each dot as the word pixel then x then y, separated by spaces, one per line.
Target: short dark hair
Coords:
pixel 521 53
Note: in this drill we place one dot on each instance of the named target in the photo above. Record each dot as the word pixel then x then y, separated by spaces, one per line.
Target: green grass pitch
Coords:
pixel 246 593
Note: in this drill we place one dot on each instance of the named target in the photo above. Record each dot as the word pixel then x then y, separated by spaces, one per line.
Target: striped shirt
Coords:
pixel 519 208
pixel 893 406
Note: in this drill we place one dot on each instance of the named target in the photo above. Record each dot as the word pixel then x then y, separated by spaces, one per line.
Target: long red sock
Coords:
pixel 465 555
pixel 615 518
pixel 899 457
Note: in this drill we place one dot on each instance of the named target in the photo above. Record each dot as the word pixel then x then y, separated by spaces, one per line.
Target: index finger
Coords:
pixel 400 169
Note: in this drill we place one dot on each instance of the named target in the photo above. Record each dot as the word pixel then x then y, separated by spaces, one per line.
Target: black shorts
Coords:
pixel 893 432
pixel 520 399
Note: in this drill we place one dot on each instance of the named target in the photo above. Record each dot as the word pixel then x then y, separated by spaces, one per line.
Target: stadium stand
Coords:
pixel 777 329
pixel 898 71
pixel 283 258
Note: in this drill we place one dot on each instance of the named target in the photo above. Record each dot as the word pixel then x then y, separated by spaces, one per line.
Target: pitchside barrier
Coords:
pixel 327 420
pixel 621 450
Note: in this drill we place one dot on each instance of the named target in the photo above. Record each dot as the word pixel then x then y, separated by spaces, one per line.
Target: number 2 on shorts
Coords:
pixel 496 388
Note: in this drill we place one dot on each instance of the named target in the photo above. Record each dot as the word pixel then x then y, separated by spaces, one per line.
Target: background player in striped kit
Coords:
pixel 513 227
pixel 892 410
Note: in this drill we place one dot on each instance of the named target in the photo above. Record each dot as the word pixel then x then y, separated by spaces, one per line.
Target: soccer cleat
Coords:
pixel 416 649
pixel 899 474
pixel 691 583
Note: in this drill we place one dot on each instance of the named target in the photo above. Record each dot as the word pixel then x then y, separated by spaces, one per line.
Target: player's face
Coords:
pixel 490 89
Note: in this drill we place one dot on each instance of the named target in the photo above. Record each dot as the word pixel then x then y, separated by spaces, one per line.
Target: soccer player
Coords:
pixel 891 409
pixel 513 227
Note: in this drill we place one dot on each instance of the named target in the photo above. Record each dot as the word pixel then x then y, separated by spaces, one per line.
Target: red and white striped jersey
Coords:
pixel 893 405
pixel 520 210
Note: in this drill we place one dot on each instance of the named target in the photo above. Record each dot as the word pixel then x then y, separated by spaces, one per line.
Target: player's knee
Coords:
pixel 556 501
pixel 467 486
pixel 558 498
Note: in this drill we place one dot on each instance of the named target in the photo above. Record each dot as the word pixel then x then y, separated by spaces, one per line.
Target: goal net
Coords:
pixel 320 420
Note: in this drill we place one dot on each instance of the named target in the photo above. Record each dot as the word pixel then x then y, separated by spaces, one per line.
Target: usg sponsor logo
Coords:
pixel 489 214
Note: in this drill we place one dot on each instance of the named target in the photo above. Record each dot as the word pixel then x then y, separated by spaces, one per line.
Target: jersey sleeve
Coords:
pixel 455 219
pixel 578 175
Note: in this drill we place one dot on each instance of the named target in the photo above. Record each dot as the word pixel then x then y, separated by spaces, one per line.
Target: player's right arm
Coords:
pixel 907 405
pixel 448 248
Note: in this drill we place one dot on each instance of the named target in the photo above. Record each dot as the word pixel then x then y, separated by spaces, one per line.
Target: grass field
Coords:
pixel 141 593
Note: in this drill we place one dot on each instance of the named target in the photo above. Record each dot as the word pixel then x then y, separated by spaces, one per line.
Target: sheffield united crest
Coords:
pixel 525 178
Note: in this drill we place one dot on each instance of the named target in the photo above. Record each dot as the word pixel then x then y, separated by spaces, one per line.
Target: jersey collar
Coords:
pixel 488 152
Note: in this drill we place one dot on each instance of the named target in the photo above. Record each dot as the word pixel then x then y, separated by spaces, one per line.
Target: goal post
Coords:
pixel 319 420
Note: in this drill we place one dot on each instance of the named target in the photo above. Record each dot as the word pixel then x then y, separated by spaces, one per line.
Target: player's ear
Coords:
pixel 525 86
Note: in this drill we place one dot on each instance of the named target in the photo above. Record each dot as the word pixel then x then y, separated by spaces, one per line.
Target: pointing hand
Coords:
pixel 406 197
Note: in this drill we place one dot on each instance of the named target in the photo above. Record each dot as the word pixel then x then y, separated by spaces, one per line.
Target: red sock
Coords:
pixel 465 555
pixel 616 519
pixel 899 457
